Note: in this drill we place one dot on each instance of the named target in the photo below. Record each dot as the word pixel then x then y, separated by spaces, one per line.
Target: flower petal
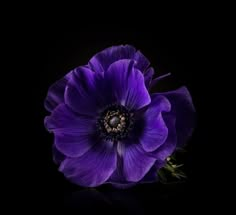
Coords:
pixel 58 157
pixel 127 85
pixel 55 95
pixel 150 177
pixel 166 149
pixel 182 107
pixel 74 144
pixel 136 162
pixel 102 60
pixel 74 134
pixel 84 92
pixel 93 168
pixel 142 62
pixel 159 164
pixel 155 131
pixel 148 76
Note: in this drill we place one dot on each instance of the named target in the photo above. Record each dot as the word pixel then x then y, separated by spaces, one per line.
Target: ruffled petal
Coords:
pixel 127 85
pixel 155 131
pixel 102 60
pixel 85 92
pixel 166 149
pixel 183 109
pixel 74 134
pixel 55 95
pixel 93 168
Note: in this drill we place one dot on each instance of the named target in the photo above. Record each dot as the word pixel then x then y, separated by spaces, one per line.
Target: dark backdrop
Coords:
pixel 180 48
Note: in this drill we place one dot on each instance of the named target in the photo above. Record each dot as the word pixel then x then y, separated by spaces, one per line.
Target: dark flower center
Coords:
pixel 115 122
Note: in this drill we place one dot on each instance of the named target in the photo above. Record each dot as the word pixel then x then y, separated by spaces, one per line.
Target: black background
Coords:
pixel 183 47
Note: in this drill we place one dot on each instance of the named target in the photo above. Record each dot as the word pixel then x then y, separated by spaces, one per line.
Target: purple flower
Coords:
pixel 108 128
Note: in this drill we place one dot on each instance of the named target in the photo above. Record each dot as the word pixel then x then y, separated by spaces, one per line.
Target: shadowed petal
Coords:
pixel 142 62
pixel 148 76
pixel 118 182
pixel 93 168
pixel 58 157
pixel 159 164
pixel 55 95
pixel 182 107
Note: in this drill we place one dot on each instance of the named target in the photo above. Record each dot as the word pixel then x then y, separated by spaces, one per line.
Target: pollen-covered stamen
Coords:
pixel 115 122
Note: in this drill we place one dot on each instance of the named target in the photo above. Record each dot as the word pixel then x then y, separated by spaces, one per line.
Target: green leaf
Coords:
pixel 171 170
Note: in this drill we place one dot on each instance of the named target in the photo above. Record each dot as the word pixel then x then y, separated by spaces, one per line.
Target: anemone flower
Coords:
pixel 108 128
